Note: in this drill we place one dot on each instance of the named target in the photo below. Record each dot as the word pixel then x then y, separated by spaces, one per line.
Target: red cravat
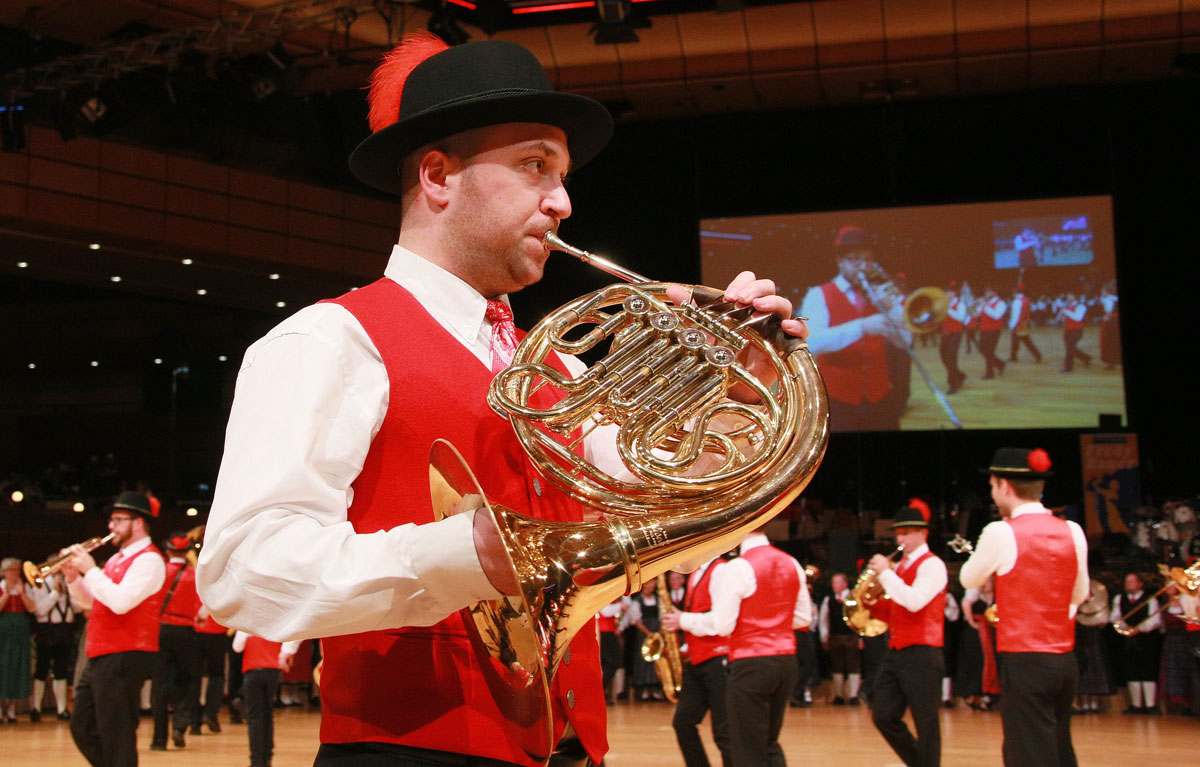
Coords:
pixel 504 334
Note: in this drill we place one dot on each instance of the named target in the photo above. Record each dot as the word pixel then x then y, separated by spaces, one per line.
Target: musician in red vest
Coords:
pixel 758 600
pixel 122 631
pixel 322 523
pixel 958 314
pixel 263 664
pixel 850 338
pixel 1073 314
pixel 704 674
pixel 1019 323
pixel 910 675
pixel 177 667
pixel 991 322
pixel 1040 564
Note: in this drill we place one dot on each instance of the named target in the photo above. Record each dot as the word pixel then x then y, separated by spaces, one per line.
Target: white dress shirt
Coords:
pixel 731 584
pixel 995 308
pixel 930 581
pixel 1014 316
pixel 143 579
pixel 996 553
pixel 822 337
pixel 52 605
pixel 280 557
pixel 825 614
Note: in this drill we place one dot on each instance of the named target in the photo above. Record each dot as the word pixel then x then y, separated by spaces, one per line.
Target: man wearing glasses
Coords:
pixel 122 632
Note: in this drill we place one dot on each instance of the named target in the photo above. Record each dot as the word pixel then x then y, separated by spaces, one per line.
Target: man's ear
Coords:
pixel 433 174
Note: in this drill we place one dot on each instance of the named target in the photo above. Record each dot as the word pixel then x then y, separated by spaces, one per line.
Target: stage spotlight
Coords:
pixel 442 24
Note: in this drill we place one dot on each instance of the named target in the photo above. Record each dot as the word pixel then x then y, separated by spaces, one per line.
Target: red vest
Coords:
pixel 422 686
pixel 1022 327
pixel 209 626
pixel 137 629
pixel 764 625
pixel 184 603
pixel 261 653
pixel 949 324
pixel 857 373
pixel 1073 324
pixel 1033 599
pixel 924 627
pixel 606 624
pixel 699 600
pixel 987 322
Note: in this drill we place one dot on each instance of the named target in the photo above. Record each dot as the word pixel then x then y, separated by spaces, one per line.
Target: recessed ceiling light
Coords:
pixel 22 264
pixel 158 360
pixel 32 365
pixel 202 292
pixel 115 278
pixel 281 304
pixel 186 262
pixel 273 275
pixel 192 511
pixel 222 358
pixel 94 246
pixel 95 363
pixel 78 507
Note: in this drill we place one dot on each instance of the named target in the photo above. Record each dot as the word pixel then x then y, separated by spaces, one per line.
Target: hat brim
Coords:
pixel 126 507
pixel 1008 473
pixel 910 523
pixel 588 125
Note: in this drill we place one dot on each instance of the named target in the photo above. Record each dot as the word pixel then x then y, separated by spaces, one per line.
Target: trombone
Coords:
pixel 36 574
pixel 1186 580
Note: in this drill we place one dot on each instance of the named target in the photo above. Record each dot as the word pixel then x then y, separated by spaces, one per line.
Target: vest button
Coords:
pixel 567 657
pixel 570 699
pixel 537 487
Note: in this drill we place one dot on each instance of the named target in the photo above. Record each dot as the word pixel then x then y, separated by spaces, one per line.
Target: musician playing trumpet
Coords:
pixel 1040 564
pixel 910 675
pixel 322 523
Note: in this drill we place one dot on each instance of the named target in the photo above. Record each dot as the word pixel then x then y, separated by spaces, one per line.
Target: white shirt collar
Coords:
pixel 135 547
pixel 909 556
pixel 753 541
pixel 1031 507
pixel 446 296
pixel 843 284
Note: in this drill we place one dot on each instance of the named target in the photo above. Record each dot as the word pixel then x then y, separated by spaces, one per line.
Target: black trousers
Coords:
pixel 1071 340
pixel 806 656
pixel 104 722
pixel 390 755
pixel 756 697
pixel 703 690
pixel 258 691
pixel 212 649
pixel 1035 708
pixel 988 340
pixel 948 351
pixel 57 647
pixel 610 660
pixel 176 672
pixel 1018 341
pixel 910 678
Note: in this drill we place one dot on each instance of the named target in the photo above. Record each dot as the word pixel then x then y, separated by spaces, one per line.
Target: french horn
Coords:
pixel 704 469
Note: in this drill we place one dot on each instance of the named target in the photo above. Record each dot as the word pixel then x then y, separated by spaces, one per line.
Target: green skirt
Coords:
pixel 15 672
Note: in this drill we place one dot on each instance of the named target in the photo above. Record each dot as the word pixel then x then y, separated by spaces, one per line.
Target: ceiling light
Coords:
pixel 78 507
pixel 273 275
pixel 186 262
pixel 22 264
pixel 94 246
pixel 281 304
pixel 32 365
pixel 158 360
pixel 17 496
pixel 115 278
pixel 222 358
pixel 202 292
pixel 192 511
pixel 95 363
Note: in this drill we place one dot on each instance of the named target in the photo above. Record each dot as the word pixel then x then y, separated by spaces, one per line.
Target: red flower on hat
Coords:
pixel 921 506
pixel 1038 460
pixel 387 83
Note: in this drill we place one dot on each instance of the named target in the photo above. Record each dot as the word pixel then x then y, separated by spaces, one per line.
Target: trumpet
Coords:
pixel 961 545
pixel 36 574
pixel 1186 580
pixel 856 612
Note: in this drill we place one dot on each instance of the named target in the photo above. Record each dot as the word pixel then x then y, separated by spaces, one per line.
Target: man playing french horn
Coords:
pixel 322 523
pixel 910 675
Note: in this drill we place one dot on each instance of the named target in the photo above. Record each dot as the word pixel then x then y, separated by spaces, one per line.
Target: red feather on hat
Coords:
pixel 155 507
pixel 387 82
pixel 1039 460
pixel 921 506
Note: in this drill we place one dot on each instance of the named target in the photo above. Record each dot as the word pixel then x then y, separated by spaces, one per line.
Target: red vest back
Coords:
pixel 184 603
pixel 365 674
pixel 924 627
pixel 1033 599
pixel 210 626
pixel 699 600
pixel 857 373
pixel 764 625
pixel 261 653
pixel 137 629
pixel 987 322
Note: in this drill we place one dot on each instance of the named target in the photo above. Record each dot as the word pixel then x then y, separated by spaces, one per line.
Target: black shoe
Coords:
pixel 948 704
pixel 800 703
pixel 158 746
pixel 64 716
pixel 1133 710
pixel 213 723
pixel 854 701
pixel 35 715
pixel 195 728
pixel 839 701
pixel 178 739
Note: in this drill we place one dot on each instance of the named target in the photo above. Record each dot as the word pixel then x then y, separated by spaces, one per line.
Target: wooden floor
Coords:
pixel 640 735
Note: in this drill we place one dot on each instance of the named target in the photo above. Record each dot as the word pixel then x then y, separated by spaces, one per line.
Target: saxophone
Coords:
pixel 662 648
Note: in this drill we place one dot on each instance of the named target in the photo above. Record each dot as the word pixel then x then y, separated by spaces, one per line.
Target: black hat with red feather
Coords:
pixel 916 514
pixel 424 91
pixel 1020 463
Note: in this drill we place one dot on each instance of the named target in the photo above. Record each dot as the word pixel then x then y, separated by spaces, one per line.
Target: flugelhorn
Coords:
pixel 37 574
pixel 704 470
pixel 961 545
pixel 856 610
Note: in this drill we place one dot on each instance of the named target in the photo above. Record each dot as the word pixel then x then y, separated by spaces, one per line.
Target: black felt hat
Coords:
pixel 915 514
pixel 472 86
pixel 131 500
pixel 1020 463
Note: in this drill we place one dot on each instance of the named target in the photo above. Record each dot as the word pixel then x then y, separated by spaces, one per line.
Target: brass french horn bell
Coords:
pixel 705 469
